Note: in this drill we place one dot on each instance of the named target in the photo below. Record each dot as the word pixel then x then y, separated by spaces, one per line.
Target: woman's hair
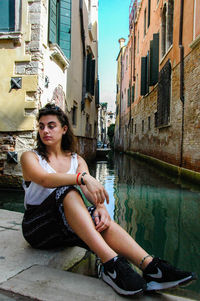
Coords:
pixel 68 141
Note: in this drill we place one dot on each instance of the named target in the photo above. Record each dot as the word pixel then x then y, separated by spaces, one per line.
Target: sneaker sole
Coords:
pixel 119 290
pixel 156 286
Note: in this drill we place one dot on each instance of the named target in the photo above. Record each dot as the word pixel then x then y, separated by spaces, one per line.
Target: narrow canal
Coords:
pixel 160 212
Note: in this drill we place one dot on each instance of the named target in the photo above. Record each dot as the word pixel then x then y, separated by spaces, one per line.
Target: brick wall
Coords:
pixel 165 143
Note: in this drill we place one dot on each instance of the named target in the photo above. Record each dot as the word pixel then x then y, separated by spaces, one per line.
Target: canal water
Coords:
pixel 160 212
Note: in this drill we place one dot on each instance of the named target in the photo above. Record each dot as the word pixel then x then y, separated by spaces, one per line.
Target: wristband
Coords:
pixel 83 174
pixel 77 178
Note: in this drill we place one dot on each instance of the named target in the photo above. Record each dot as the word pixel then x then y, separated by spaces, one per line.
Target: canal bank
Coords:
pixel 169 169
pixel 28 274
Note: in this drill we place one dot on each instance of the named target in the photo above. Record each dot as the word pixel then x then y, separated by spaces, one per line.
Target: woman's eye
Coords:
pixel 51 126
pixel 41 127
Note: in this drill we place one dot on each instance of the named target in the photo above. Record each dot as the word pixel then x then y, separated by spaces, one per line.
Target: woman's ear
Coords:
pixel 65 128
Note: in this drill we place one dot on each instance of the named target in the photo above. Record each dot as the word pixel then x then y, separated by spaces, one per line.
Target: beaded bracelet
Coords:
pixel 143 259
pixel 82 181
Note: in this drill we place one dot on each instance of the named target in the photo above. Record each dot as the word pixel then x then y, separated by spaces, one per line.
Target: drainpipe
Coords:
pixel 120 96
pixel 131 75
pixel 84 54
pixel 182 95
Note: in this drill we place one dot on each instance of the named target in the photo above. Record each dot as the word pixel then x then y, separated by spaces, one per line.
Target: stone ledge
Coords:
pixel 17 255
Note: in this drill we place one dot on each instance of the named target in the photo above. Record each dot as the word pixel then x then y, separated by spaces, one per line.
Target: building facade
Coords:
pixel 162 116
pixel 48 53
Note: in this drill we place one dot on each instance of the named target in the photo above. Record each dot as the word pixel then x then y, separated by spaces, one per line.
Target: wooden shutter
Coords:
pixel 92 79
pixel 164 94
pixel 128 102
pixel 7 20
pixel 154 60
pixel 65 27
pixel 133 93
pixel 88 72
pixel 143 75
pixel 52 21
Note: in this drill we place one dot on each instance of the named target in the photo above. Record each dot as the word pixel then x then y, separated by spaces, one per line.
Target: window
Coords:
pixel 90 74
pixel 196 30
pixel 145 21
pixel 149 12
pixel 138 42
pixel 135 128
pixel 128 98
pixel 164 30
pixel 132 124
pixel 142 126
pixel 10 15
pixel 149 123
pixel 126 61
pixel 60 25
pixel 144 75
pixel 164 95
pixel 170 23
pixel 133 93
pixel 167 26
pixel 74 115
pixel 154 60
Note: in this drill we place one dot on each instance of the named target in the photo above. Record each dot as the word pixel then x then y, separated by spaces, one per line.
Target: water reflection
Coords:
pixel 161 215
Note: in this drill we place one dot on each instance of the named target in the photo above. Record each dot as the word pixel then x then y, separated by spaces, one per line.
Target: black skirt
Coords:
pixel 45 226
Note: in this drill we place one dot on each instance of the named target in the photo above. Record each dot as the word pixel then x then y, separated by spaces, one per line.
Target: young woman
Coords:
pixel 55 213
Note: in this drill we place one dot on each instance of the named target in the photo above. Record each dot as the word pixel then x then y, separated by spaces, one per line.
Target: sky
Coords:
pixel 113 25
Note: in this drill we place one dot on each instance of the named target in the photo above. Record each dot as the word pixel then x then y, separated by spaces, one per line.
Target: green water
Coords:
pixel 160 212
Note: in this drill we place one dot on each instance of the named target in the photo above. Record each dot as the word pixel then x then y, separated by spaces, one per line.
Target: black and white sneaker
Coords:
pixel 118 273
pixel 160 275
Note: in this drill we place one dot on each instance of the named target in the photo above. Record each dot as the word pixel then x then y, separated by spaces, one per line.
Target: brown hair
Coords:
pixel 68 141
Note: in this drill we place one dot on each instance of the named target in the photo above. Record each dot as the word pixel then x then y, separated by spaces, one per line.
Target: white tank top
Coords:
pixel 35 194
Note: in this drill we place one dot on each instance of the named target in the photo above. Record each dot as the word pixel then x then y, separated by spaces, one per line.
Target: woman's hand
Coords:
pixel 102 218
pixel 99 194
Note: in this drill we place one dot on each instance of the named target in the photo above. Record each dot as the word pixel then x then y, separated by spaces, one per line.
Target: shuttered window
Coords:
pixel 60 24
pixel 128 100
pixel 7 19
pixel 144 75
pixel 90 74
pixel 164 95
pixel 154 60
pixel 133 93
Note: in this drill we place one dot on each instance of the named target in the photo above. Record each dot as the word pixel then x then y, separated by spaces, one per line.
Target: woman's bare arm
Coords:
pixel 83 167
pixel 32 171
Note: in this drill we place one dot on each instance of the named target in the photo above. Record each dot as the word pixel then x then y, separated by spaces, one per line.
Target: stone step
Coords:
pixel 49 284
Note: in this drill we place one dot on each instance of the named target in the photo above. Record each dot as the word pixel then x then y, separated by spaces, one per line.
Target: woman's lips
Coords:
pixel 46 138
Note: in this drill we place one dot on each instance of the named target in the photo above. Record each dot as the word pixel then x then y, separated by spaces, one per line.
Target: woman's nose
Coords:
pixel 46 129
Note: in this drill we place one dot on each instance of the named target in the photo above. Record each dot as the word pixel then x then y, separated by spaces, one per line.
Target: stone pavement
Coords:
pixel 28 274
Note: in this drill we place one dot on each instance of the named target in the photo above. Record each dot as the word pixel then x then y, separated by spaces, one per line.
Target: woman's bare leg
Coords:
pixel 80 221
pixel 111 242
pixel 122 243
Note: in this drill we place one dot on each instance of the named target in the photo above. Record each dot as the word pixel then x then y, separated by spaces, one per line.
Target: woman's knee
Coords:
pixel 73 197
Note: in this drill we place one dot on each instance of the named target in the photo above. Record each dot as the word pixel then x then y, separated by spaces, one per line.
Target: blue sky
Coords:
pixel 113 24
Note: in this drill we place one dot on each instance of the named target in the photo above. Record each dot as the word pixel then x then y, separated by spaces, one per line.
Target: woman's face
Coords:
pixel 50 130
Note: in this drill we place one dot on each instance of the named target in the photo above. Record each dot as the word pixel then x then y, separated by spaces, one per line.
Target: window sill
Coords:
pixel 58 56
pixel 15 36
pixel 160 127
pixel 166 53
pixel 195 42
